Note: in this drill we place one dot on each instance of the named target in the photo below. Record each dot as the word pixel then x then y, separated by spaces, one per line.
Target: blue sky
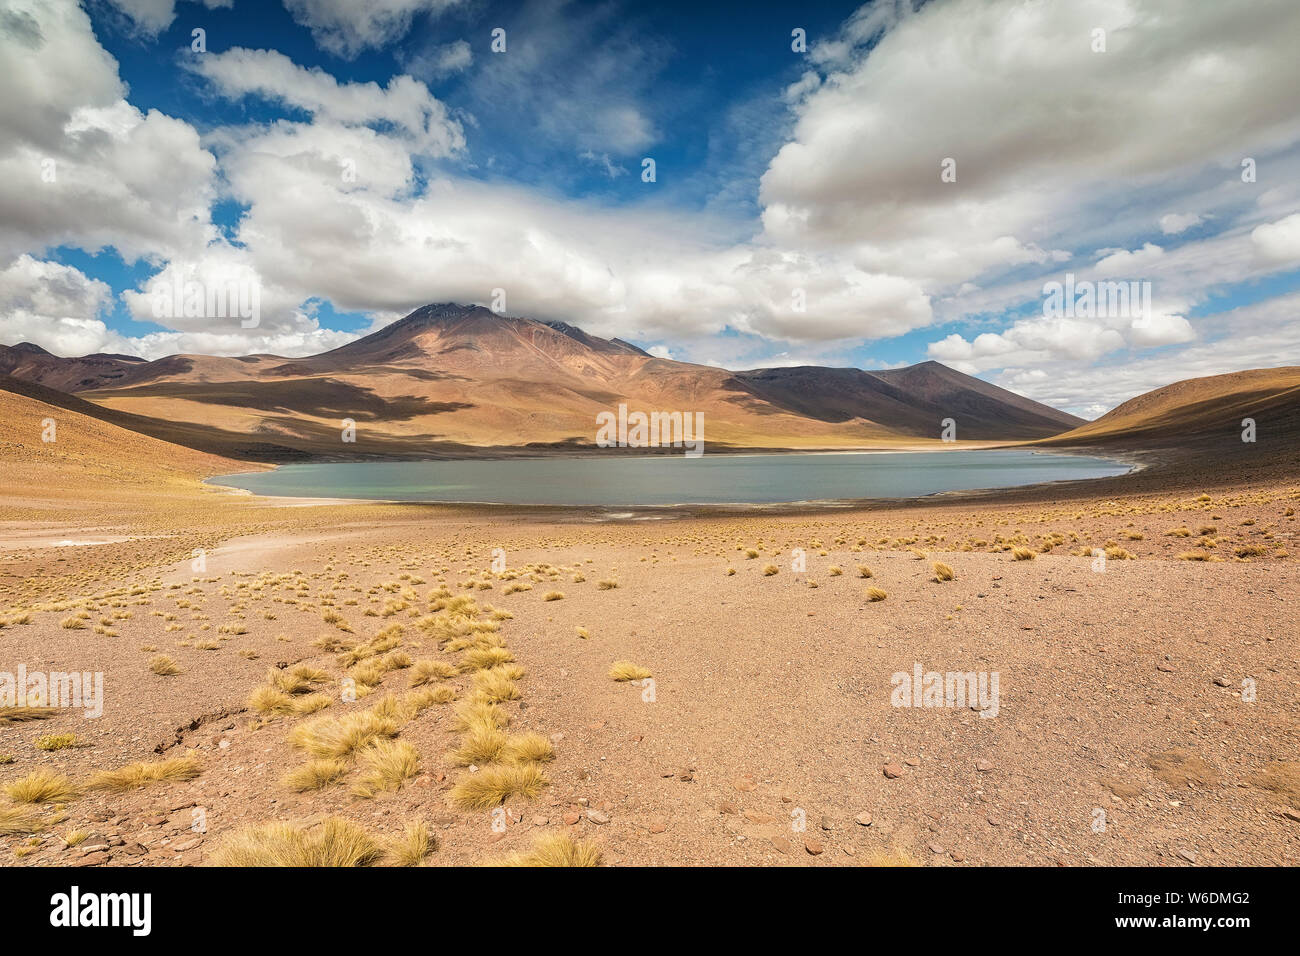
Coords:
pixel 900 190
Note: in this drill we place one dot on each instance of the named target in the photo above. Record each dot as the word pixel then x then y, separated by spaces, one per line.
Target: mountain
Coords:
pixel 460 380
pixel 1203 410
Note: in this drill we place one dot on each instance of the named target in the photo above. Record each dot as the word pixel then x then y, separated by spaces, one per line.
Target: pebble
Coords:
pixel 983 766
pixel 598 817
pixel 813 846
pixel 781 843
pixel 892 771
pixel 863 819
pixel 934 848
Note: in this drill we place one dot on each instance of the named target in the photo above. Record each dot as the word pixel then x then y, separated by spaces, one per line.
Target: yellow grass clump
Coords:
pixel 315 774
pixel 164 666
pixel 18 715
pixel 875 594
pixel 41 786
pixel 626 670
pixel 390 764
pixel 1022 554
pixel 555 849
pixel 336 842
pixel 342 736
pixel 56 741
pixel 495 784
pixel 428 669
pixel 942 572
pixel 15 820
pixel 136 775
pixel 415 843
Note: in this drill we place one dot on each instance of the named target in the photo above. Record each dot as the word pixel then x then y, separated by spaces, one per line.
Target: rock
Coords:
pixel 93 859
pixel 782 844
pixel 726 806
pixel 892 771
pixel 1187 855
pixel 571 818
pixel 994 821
pixel 187 845
pixel 598 817
pixel 1290 814
pixel 863 819
pixel 686 776
pixel 758 816
pixel 1222 682
pixel 912 762
pixel 958 856
pixel 135 849
pixel 658 826
pixel 934 848
pixel 540 821
pixel 827 823
pixel 813 846
pixel 88 847
pixel 983 766
pixel 745 784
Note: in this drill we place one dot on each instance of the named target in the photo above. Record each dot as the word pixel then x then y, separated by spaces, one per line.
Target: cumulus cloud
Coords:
pixel 79 164
pixel 346 27
pixel 405 103
pixel 150 17
pixel 904 91
pixel 1279 241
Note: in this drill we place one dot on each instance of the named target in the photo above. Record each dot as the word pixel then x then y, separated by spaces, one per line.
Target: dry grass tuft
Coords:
pixel 626 670
pixel 18 715
pixel 1022 554
pixel 336 842
pixel 334 737
pixel 493 785
pixel 555 849
pixel 15 820
pixel 415 843
pixel 427 670
pixel 164 666
pixel 875 594
pixel 942 572
pixel 41 786
pixel 136 775
pixel 315 774
pixel 56 741
pixel 390 764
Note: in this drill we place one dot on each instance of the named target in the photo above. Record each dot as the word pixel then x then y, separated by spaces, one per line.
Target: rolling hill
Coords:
pixel 451 380
pixel 1200 410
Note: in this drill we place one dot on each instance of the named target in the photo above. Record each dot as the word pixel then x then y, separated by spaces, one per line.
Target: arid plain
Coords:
pixel 1147 709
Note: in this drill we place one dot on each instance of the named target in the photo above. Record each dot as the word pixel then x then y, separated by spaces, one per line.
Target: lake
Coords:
pixel 675 479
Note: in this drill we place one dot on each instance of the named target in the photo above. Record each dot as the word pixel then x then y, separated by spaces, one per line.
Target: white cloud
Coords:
pixel 78 164
pixel 1279 241
pixel 987 84
pixel 1173 223
pixel 346 27
pixel 151 17
pixel 405 102
pixel 1122 262
pixel 439 61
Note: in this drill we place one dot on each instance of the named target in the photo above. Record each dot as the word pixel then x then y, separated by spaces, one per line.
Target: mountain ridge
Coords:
pixel 452 376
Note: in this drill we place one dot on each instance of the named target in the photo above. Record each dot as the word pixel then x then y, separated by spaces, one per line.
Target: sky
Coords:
pixel 737 184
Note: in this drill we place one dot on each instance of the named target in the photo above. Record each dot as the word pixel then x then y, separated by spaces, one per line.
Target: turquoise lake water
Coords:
pixel 673 479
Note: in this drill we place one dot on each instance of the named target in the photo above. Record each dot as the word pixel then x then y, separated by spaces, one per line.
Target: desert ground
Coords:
pixel 1147 712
